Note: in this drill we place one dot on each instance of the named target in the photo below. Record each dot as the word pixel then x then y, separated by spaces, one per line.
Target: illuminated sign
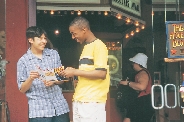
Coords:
pixel 175 39
pixel 132 6
pixel 113 45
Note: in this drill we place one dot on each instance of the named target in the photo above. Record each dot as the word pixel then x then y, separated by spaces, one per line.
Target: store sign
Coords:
pixel 70 1
pixel 132 6
pixel 113 45
pixel 175 39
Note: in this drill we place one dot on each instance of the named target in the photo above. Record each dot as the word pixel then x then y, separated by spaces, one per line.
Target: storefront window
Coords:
pixel 115 61
pixel 170 69
pixel 170 11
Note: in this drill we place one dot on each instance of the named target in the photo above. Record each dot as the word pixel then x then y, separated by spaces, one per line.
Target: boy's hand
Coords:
pixel 48 83
pixel 33 75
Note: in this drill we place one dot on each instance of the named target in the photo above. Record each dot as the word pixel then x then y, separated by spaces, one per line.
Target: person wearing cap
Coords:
pixel 141 109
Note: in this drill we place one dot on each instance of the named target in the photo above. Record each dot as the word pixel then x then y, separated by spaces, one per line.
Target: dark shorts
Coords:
pixel 60 118
pixel 141 110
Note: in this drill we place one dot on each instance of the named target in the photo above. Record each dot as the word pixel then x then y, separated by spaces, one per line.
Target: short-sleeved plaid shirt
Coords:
pixel 43 101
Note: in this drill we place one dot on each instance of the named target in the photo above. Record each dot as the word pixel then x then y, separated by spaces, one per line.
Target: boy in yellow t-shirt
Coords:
pixel 91 91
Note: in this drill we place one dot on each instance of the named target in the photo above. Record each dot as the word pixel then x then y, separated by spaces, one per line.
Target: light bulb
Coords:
pixel 128 20
pixel 52 12
pixel 56 32
pixel 72 12
pixel 132 33
pixel 137 30
pixel 79 12
pixel 136 23
pixel 105 13
pixel 126 36
pixel 119 16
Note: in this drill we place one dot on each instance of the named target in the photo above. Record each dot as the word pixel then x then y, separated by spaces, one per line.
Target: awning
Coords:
pixel 120 25
pixel 90 5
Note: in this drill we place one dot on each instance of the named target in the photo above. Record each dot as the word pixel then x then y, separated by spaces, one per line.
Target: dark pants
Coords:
pixel 141 110
pixel 61 118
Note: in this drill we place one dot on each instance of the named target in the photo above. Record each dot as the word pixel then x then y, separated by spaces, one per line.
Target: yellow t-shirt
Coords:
pixel 94 57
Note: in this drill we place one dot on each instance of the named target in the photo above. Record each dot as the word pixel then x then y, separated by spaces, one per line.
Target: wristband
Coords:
pixel 128 83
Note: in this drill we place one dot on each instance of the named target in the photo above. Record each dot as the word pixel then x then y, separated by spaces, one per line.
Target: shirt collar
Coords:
pixel 91 41
pixel 32 56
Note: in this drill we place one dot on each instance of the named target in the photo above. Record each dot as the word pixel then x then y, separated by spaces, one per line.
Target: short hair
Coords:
pixel 35 31
pixel 80 22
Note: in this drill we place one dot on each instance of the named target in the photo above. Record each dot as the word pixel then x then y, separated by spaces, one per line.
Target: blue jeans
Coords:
pixel 60 118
